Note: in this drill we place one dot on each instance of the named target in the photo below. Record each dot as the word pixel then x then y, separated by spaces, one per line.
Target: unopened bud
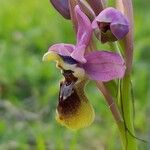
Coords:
pixel 62 6
pixel 112 25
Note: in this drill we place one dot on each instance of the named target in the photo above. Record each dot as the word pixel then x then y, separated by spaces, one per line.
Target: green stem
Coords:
pixel 116 47
pixel 122 133
pixel 125 106
pixel 113 46
pixel 127 112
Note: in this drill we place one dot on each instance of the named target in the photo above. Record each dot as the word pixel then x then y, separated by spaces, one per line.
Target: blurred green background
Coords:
pixel 29 87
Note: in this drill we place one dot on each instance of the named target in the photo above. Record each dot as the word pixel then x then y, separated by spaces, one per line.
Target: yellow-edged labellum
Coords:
pixel 74 110
pixel 52 56
pixel 80 119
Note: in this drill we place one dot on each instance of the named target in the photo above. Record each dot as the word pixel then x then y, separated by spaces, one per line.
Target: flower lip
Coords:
pixel 73 110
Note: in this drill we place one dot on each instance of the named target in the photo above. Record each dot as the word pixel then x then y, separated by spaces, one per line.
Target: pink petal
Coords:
pixel 84 27
pixel 104 66
pixel 62 49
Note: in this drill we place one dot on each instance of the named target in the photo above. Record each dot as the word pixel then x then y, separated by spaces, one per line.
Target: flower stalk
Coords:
pixel 126 103
pixel 127 112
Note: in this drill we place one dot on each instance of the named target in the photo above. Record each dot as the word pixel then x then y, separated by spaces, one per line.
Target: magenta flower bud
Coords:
pixel 62 6
pixel 113 25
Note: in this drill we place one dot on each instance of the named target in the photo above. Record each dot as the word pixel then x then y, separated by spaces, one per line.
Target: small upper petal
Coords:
pixel 104 66
pixel 62 49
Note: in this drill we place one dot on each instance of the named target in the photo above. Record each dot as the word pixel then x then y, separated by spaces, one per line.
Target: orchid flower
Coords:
pixel 112 23
pixel 74 110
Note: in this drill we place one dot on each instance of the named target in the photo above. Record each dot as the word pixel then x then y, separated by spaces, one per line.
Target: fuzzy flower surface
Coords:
pixel 112 23
pixel 74 110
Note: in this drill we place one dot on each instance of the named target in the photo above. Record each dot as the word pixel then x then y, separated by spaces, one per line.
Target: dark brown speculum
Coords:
pixel 69 100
